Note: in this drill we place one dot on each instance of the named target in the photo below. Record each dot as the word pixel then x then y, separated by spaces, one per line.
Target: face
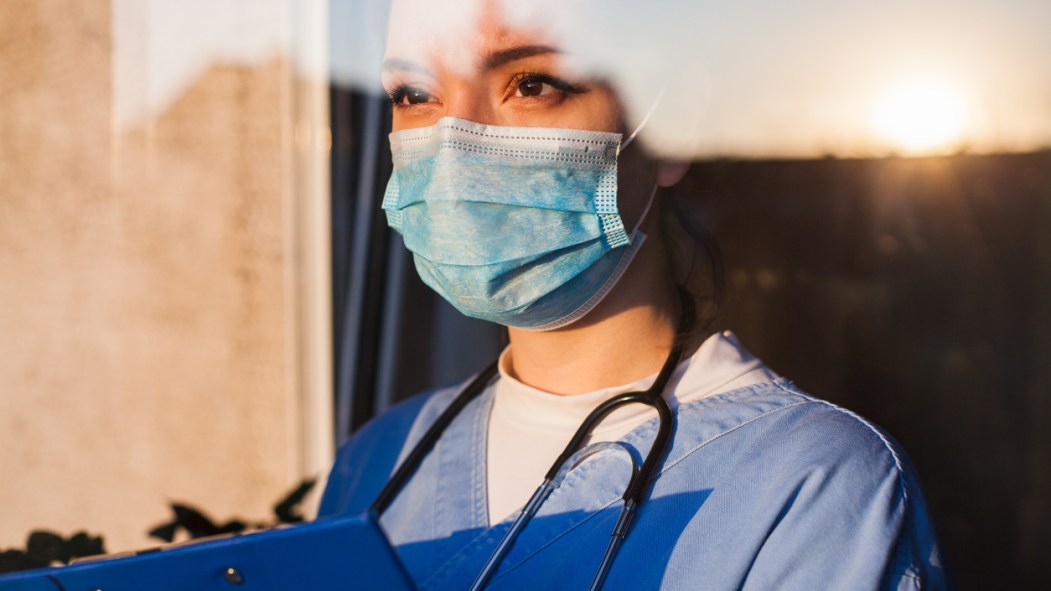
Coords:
pixel 489 73
pixel 474 66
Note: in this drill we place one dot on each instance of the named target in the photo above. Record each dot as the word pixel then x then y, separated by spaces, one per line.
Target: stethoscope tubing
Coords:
pixel 634 493
pixel 426 443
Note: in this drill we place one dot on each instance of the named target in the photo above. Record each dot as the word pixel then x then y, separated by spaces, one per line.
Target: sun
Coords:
pixel 922 117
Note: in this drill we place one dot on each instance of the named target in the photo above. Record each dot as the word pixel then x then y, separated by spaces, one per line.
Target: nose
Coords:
pixel 471 101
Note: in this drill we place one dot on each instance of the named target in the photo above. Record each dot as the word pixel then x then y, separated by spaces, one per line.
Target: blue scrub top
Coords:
pixel 763 487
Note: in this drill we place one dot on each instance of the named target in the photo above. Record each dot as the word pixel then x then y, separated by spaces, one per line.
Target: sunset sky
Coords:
pixel 749 77
pixel 862 78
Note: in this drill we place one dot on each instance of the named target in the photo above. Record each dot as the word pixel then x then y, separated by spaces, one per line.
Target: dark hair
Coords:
pixel 696 264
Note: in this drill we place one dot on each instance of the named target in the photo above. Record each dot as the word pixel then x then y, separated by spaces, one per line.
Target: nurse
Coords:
pixel 525 200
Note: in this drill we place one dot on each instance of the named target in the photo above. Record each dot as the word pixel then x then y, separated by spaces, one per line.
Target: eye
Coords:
pixel 404 95
pixel 534 85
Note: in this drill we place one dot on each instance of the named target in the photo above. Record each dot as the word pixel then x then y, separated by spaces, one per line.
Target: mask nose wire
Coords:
pixel 645 119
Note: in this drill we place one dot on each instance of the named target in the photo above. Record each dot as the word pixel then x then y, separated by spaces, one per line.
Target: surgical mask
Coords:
pixel 515 225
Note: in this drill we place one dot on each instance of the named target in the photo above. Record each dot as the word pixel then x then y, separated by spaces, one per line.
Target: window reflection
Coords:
pixel 161 307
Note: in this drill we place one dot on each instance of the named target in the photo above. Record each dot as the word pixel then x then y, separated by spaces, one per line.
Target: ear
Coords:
pixel 670 172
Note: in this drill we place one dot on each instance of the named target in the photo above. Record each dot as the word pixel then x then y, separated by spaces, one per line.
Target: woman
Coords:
pixel 525 201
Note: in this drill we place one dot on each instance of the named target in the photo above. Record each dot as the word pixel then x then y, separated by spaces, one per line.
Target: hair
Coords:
pixel 696 265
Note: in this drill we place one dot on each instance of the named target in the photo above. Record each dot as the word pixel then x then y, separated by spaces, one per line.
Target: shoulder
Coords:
pixel 844 490
pixel 799 442
pixel 368 457
pixel 878 478
pixel 822 431
pixel 778 420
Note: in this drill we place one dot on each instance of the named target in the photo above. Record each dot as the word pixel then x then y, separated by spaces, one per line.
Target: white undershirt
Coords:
pixel 529 428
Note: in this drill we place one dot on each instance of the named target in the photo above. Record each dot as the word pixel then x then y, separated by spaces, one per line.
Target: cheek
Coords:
pixel 577 116
pixel 400 121
pixel 597 110
pixel 603 113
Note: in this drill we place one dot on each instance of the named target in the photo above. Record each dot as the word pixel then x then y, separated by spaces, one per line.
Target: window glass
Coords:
pixel 876 176
pixel 162 294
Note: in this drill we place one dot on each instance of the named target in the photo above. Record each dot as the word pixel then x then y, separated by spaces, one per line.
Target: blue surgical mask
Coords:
pixel 516 225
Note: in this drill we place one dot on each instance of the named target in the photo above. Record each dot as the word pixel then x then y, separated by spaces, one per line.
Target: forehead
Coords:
pixel 456 34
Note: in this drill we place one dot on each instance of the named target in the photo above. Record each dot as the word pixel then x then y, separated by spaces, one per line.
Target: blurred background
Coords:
pixel 199 295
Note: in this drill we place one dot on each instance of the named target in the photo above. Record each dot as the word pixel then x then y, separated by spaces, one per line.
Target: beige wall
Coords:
pixel 151 346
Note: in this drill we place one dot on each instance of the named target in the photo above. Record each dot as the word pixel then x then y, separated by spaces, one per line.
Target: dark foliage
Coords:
pixel 197 524
pixel 287 509
pixel 44 548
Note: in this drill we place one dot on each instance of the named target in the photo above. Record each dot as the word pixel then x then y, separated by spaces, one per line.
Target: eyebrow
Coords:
pixel 491 61
pixel 504 56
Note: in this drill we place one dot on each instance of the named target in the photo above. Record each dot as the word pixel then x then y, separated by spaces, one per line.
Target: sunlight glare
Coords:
pixel 922 117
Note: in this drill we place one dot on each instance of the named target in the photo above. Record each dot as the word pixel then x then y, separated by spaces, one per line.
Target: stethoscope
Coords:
pixel 637 485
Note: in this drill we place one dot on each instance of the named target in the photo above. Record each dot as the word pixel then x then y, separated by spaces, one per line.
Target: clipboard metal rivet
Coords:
pixel 234 576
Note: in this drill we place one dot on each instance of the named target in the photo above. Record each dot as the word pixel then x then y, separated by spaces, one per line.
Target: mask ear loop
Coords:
pixel 649 113
pixel 646 211
pixel 631 137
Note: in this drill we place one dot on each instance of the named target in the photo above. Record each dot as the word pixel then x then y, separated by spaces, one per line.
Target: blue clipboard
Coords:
pixel 338 553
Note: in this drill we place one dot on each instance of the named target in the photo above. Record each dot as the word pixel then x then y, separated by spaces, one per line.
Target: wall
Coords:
pixel 151 272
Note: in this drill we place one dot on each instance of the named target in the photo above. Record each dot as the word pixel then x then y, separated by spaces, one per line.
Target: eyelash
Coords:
pixel 398 93
pixel 520 78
